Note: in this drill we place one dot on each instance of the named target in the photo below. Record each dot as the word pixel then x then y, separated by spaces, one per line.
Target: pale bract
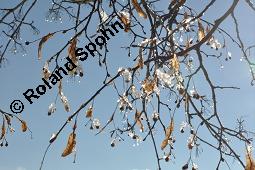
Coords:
pixel 52 108
pixel 124 103
pixel 165 78
pixel 125 73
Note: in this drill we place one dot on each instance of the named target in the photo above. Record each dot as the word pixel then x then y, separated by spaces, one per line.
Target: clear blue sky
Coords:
pixel 94 152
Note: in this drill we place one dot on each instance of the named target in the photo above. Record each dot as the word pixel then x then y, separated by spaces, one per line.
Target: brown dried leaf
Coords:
pixel 60 87
pixel 169 132
pixel 140 62
pixel 72 56
pixel 71 51
pixel 143 43
pixel 190 145
pixel 89 112
pixel 191 141
pixel 43 40
pixel 211 37
pixel 46 71
pixel 201 31
pixel 23 126
pixel 3 130
pixel 70 145
pixel 207 29
pixel 149 85
pixel 65 102
pixel 181 2
pixel 250 163
pixel 138 120
pixel 63 98
pixel 175 63
pixel 125 19
pixel 164 143
pixel 139 9
pixel 187 44
pixel 8 119
pixel 185 15
pixel 170 128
